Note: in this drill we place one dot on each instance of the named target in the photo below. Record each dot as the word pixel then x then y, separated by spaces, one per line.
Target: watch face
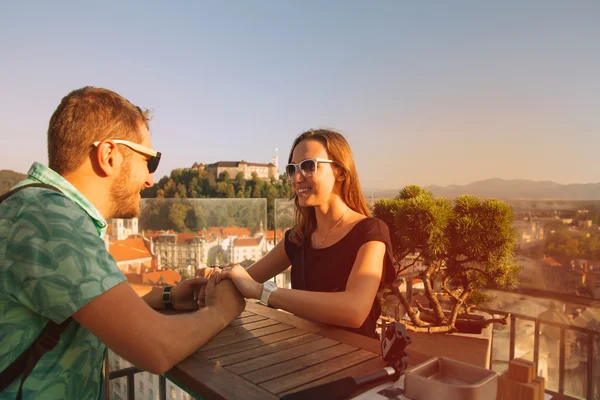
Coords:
pixel 270 286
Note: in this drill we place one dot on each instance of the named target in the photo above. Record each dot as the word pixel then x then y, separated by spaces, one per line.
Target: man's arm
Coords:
pixel 153 341
pixel 184 296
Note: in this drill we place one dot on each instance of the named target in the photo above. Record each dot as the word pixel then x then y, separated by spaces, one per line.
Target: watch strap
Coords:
pixel 166 298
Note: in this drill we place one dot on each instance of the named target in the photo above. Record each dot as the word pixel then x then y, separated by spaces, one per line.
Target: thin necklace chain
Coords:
pixel 331 230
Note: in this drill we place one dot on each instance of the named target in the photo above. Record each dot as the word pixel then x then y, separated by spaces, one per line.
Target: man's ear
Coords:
pixel 108 158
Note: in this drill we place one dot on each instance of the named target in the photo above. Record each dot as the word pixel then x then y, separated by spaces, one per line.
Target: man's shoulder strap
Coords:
pixel 15 190
pixel 24 364
pixel 46 341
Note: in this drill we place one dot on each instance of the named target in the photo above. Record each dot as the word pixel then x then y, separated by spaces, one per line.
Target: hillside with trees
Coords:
pixel 194 184
pixel 8 179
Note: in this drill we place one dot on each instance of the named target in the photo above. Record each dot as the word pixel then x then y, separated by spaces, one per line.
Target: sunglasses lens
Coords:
pixel 308 167
pixel 290 170
pixel 153 163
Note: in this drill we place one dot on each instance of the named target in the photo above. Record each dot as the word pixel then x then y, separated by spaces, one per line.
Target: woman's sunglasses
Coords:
pixel 307 167
pixel 154 155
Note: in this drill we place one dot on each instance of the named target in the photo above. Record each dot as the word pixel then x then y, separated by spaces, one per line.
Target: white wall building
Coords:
pixel 122 228
pixel 178 250
pixel 247 249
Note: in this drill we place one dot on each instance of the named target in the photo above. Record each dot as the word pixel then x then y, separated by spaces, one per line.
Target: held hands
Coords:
pixel 242 280
pixel 224 299
pixel 184 296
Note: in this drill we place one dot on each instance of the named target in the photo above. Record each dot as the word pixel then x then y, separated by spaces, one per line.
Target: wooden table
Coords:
pixel 266 353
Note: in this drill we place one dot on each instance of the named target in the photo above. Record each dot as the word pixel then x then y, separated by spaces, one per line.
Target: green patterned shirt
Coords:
pixel 53 261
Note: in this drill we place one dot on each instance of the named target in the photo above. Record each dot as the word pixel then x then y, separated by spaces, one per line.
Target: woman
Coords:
pixel 339 255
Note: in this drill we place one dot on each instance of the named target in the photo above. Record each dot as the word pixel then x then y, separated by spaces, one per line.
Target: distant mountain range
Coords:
pixel 511 189
pixel 8 179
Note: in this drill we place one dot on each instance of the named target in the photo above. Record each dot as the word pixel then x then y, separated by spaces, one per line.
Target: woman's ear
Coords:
pixel 340 175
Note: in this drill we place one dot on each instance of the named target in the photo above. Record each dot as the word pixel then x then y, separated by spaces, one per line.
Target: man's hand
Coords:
pixel 184 296
pixel 203 274
pixel 224 299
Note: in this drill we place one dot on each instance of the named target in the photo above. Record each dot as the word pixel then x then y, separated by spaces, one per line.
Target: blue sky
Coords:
pixel 426 93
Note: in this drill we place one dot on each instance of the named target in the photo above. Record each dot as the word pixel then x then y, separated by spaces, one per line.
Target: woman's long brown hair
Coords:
pixel 339 152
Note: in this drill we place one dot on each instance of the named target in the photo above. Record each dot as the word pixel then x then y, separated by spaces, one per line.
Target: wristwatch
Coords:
pixel 268 288
pixel 166 298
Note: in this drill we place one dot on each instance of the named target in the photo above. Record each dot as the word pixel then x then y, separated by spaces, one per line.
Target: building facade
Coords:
pixel 180 250
pixel 243 249
pixel 123 228
pixel 263 171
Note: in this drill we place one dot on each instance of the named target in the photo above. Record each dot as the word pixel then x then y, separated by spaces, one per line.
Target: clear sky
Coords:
pixel 426 92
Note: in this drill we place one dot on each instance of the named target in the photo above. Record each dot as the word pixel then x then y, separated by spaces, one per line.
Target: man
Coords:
pixel 54 263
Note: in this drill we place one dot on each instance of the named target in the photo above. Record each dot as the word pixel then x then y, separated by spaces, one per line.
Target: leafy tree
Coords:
pixel 178 213
pixel 224 176
pixel 467 243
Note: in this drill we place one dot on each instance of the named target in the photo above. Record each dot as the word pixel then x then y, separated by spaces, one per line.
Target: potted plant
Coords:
pixel 466 245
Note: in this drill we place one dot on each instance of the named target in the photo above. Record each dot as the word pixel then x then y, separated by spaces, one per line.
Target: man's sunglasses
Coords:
pixel 153 154
pixel 307 167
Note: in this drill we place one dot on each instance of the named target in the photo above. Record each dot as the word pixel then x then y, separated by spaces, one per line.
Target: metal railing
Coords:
pixel 591 335
pixel 129 372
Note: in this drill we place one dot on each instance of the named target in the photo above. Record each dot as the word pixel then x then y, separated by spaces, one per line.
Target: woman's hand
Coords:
pixel 203 274
pixel 249 288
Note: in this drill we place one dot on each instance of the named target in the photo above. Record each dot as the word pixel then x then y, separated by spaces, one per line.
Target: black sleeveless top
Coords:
pixel 328 269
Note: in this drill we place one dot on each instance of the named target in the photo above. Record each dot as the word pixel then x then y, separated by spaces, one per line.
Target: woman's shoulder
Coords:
pixel 368 229
pixel 372 225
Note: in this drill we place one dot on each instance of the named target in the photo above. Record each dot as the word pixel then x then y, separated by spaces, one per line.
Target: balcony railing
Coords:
pixel 591 346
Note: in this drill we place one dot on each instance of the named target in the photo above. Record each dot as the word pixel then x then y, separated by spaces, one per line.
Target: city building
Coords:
pixel 274 237
pixel 264 171
pixel 122 228
pixel 242 249
pixel 180 250
pixel 590 274
pixel 529 233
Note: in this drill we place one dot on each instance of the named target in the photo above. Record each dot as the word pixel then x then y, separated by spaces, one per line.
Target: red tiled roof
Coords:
pixel 552 262
pixel 235 231
pixel 271 234
pixel 129 249
pixel 167 276
pixel 246 242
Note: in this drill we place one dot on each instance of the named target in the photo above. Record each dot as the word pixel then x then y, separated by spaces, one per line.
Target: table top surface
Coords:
pixel 266 353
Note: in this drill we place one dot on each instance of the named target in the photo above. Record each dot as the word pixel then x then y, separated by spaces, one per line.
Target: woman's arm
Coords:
pixel 273 263
pixel 349 308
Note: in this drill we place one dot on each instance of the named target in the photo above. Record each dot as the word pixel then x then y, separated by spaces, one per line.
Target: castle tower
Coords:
pixel 275 161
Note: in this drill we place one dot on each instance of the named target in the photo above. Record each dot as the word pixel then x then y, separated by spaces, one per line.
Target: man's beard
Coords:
pixel 124 197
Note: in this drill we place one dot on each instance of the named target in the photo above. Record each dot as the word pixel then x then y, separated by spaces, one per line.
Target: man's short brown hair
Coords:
pixel 85 116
